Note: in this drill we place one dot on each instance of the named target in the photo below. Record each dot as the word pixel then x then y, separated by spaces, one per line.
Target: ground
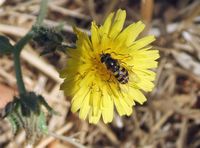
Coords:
pixel 170 118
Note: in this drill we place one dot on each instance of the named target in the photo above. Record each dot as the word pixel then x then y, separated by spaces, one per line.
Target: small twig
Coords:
pixel 68 12
pixel 48 140
pixel 13 30
pixel 188 8
pixel 162 120
pixel 67 139
pixel 147 12
pixel 29 146
pixel 108 132
pixel 183 133
pixel 32 58
pixel 51 23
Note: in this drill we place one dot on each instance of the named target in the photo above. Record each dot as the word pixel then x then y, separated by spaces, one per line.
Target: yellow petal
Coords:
pixel 95 37
pixel 107 107
pixel 78 99
pixel 86 79
pixel 118 23
pixel 107 24
pixel 106 43
pixel 141 43
pixel 138 96
pixel 83 43
pixel 143 59
pixel 118 106
pixel 94 118
pixel 95 98
pixel 145 74
pixel 145 64
pixel 125 93
pixel 130 33
pixel 127 107
pixel 107 114
pixel 85 108
pixel 145 85
pixel 122 107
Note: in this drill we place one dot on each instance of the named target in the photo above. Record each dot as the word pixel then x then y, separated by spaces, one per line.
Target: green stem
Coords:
pixel 18 72
pixel 20 82
pixel 22 42
pixel 17 50
pixel 42 13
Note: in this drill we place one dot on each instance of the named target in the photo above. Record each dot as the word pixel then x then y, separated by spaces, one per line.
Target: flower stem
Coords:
pixel 18 72
pixel 22 42
pixel 42 13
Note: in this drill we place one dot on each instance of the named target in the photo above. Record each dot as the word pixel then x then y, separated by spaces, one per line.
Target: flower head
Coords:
pixel 91 78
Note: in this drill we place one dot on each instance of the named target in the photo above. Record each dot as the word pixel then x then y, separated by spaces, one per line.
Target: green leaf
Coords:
pixel 15 122
pixel 9 108
pixel 46 105
pixel 5 46
pixel 42 127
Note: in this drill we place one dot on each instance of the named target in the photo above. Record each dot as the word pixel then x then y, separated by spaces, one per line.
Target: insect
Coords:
pixel 120 73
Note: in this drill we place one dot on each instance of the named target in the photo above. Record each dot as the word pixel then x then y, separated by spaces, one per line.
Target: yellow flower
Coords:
pixel 94 86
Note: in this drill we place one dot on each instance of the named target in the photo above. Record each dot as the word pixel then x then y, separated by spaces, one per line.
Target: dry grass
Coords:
pixel 170 118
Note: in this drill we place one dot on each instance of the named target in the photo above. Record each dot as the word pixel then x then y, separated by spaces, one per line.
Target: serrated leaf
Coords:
pixel 15 122
pixel 5 46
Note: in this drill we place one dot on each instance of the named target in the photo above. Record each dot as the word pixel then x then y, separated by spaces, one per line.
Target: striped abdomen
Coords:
pixel 121 75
